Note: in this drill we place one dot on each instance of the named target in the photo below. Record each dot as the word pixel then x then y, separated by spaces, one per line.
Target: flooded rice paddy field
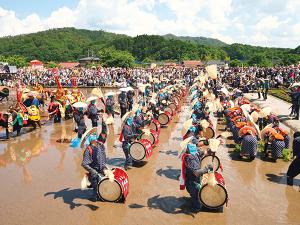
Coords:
pixel 40 183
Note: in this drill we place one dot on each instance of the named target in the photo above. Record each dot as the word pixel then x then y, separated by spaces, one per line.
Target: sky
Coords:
pixel 271 23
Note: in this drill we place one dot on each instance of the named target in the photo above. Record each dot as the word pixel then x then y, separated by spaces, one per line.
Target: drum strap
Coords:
pixel 90 150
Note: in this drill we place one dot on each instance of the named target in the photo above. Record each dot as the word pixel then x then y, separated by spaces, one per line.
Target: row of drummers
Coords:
pixel 201 170
pixel 140 134
pixel 249 124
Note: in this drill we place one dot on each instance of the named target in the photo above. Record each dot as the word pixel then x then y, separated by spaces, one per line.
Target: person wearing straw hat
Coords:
pixel 79 120
pixel 138 120
pixel 294 168
pixel 122 99
pixel 31 100
pixel 94 161
pixel 128 135
pixel 110 105
pixel 277 145
pixel 153 108
pixel 92 111
pixel 249 145
pixel 192 172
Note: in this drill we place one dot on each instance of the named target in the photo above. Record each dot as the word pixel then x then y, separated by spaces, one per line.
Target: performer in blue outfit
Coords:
pixel 94 158
pixel 193 173
pixel 129 136
pixel 92 113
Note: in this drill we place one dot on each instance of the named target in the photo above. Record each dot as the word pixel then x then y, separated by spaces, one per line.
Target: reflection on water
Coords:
pixel 20 153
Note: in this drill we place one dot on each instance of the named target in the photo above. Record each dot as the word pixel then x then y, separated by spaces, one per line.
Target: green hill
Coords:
pixel 56 45
pixel 197 40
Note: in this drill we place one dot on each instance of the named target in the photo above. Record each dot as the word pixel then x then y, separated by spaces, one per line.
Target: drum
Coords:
pixel 173 106
pixel 114 191
pixel 152 136
pixel 209 133
pixel 140 150
pixel 216 196
pixel 155 125
pixel 210 159
pixel 164 118
pixel 169 110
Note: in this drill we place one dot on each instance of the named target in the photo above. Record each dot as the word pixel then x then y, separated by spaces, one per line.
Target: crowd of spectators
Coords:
pixel 235 77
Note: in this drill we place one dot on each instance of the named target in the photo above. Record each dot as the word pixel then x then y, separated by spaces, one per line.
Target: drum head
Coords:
pixel 163 119
pixel 148 137
pixel 209 133
pixel 213 196
pixel 109 191
pixel 209 159
pixel 152 126
pixel 169 110
pixel 172 106
pixel 137 151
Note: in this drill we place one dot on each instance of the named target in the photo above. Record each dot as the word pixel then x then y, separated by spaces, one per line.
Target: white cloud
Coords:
pixel 268 23
pixel 257 22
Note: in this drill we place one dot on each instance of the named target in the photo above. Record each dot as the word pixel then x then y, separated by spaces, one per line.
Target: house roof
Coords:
pixel 192 63
pixel 89 59
pixel 68 65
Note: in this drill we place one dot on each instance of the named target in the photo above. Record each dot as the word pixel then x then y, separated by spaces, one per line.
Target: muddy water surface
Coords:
pixel 40 184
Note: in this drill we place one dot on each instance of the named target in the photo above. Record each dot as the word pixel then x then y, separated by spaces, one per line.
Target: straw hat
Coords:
pixel 142 88
pixel 91 98
pixel 247 129
pixel 131 89
pixel 296 85
pixel 194 102
pixel 155 80
pixel 265 112
pixel 183 145
pixel 86 135
pixel 80 105
pixel 214 144
pixel 212 71
pixel 191 113
pixel 97 92
pixel 202 79
pixel 123 89
pixel 267 130
pixel 186 126
pixel 246 108
pixel 25 90
pixel 211 106
pixel 135 107
pixel 254 116
pixel 204 124
pixel 225 91
pixel 110 93
pixel 125 117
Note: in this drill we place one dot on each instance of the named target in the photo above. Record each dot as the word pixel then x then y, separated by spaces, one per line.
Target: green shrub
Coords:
pixel 261 146
pixel 237 148
pixel 286 154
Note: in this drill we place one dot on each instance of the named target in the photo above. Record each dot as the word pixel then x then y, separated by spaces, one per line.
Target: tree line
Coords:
pixel 70 44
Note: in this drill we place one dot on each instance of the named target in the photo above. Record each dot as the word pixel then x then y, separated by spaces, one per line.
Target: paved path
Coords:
pixel 279 107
